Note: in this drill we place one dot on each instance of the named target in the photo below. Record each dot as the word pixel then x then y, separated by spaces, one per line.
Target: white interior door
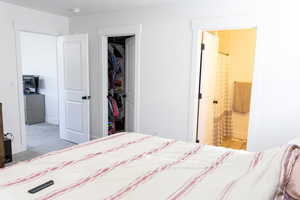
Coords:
pixel 130 86
pixel 208 77
pixel 74 88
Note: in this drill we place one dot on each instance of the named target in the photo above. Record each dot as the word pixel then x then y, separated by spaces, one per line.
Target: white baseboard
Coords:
pixel 52 120
pixel 17 148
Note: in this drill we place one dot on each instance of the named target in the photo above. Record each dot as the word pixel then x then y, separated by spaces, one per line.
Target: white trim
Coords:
pixel 104 33
pixel 206 24
pixel 23 142
pixel 224 23
pixel 52 120
pixel 18 29
pixel 33 28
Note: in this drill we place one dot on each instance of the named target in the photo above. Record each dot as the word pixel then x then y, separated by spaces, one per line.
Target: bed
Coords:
pixel 135 167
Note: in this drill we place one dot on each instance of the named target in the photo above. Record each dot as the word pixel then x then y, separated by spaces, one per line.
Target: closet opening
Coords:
pixel 225 86
pixel 121 86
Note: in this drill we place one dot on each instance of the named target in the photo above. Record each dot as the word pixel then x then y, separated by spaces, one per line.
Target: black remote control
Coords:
pixel 41 187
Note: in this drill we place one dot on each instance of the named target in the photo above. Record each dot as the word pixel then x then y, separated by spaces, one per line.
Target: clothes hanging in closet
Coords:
pixel 116 88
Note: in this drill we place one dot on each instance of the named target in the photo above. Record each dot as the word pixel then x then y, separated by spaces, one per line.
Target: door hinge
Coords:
pixel 202 46
pixel 200 95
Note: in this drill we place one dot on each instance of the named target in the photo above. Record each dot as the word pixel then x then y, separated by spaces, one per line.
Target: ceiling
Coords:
pixel 63 7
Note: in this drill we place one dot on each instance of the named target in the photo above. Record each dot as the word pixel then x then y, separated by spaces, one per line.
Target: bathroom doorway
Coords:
pixel 226 74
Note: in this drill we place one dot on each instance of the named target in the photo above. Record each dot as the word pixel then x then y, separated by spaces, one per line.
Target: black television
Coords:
pixel 31 84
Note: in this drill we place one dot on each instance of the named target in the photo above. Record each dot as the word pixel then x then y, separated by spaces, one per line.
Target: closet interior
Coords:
pixel 116 84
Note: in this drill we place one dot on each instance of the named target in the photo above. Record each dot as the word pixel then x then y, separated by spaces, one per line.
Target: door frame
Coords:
pixel 18 29
pixel 104 33
pixel 211 24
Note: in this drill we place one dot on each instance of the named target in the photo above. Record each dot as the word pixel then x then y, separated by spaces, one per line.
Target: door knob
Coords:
pixel 215 102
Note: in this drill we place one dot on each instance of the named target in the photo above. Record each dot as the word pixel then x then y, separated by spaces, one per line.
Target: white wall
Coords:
pixel 39 57
pixel 25 19
pixel 165 59
pixel 166 63
pixel 277 98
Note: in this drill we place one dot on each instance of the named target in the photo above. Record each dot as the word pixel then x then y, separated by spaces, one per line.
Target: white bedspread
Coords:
pixel 136 167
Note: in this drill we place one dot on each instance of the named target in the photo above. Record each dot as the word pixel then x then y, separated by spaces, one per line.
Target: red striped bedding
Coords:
pixel 135 167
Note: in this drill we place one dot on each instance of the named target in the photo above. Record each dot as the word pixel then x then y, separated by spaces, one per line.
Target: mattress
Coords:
pixel 135 166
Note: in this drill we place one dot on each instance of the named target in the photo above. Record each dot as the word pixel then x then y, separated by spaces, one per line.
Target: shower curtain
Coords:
pixel 222 104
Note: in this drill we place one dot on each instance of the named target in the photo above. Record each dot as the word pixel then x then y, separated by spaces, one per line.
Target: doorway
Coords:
pixel 120 94
pixel 39 73
pixel 119 98
pixel 226 74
